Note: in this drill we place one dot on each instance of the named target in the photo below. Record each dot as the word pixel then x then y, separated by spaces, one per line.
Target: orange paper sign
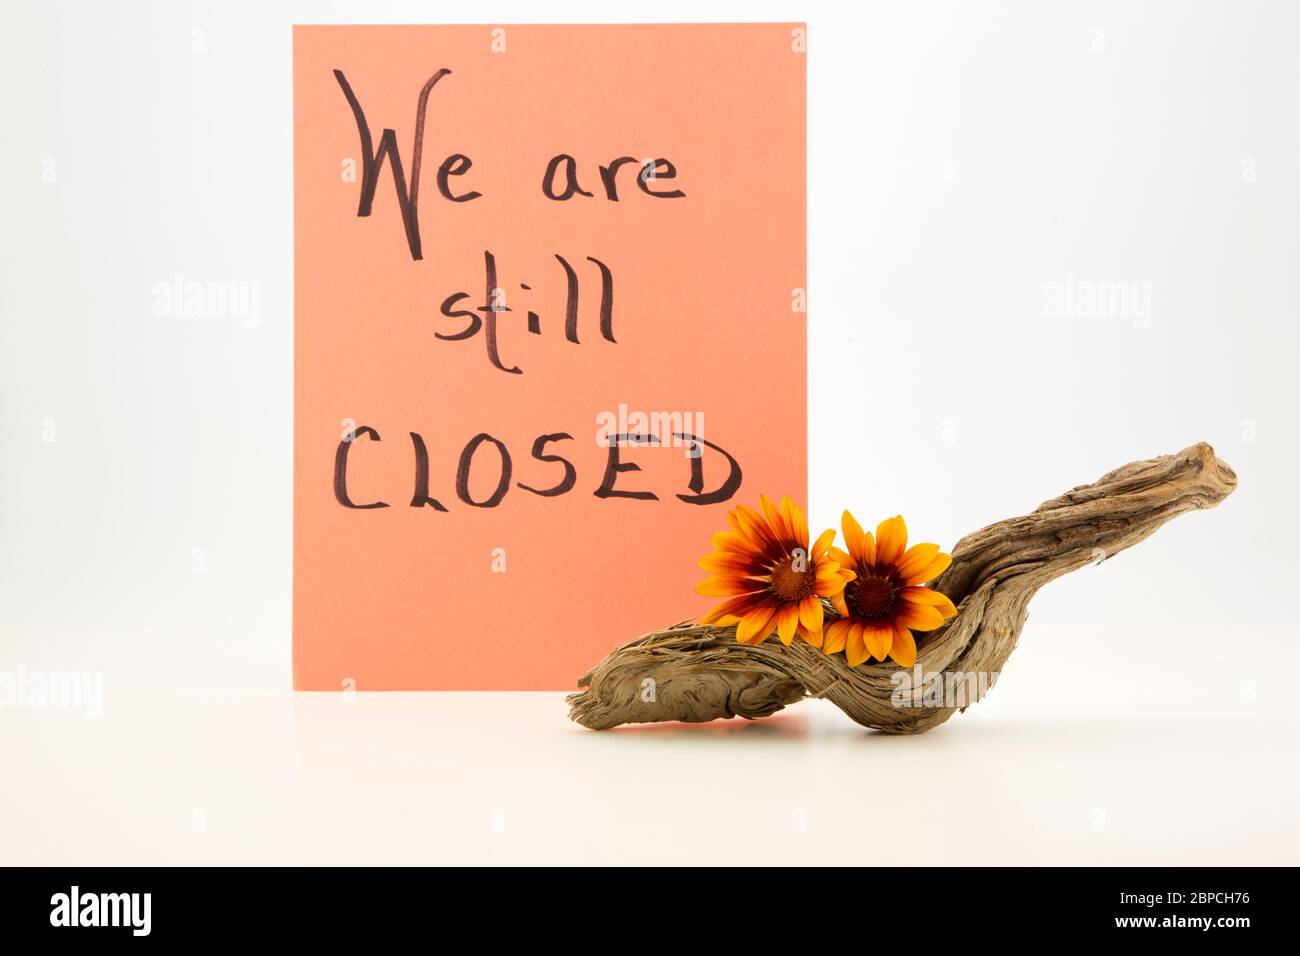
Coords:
pixel 549 328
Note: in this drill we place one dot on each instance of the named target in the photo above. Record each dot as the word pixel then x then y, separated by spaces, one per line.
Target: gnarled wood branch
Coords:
pixel 695 673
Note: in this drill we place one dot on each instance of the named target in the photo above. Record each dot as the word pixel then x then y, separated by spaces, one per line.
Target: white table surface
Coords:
pixel 491 778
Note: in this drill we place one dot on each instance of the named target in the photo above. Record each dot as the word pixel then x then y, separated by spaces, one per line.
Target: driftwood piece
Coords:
pixel 694 673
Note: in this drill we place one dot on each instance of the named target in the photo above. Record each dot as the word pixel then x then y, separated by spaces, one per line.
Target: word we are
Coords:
pixel 560 181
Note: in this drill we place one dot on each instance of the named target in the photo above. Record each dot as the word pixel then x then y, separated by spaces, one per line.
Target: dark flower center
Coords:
pixel 870 596
pixel 790 584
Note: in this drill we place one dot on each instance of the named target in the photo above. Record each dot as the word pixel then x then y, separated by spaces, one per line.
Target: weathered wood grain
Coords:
pixel 693 673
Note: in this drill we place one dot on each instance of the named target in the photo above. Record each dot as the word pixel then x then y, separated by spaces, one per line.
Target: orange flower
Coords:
pixel 770 577
pixel 885 603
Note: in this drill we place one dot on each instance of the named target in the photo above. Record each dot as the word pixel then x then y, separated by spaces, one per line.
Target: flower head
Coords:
pixel 885 602
pixel 770 577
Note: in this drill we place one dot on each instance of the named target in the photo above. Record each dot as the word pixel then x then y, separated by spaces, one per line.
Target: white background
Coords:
pixel 962 158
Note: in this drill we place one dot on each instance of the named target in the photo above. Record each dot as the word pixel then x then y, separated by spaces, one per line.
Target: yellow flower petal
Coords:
pixel 842 558
pixel 823 542
pixel 831 588
pixel 878 639
pixel 727 585
pixel 773 516
pixel 919 617
pixel 755 626
pixel 787 622
pixel 917 558
pixel 723 562
pixel 810 613
pixel 795 519
pixel 855 651
pixel 812 637
pixel 831 579
pixel 755 528
pixel 870 550
pixel 930 597
pixel 891 540
pixel 733 609
pixel 930 571
pixel 736 543
pixel 825 571
pixel 854 537
pixel 835 636
pixel 903 649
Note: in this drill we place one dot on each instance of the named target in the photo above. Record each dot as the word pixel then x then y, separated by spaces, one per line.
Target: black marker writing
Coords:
pixel 372 163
